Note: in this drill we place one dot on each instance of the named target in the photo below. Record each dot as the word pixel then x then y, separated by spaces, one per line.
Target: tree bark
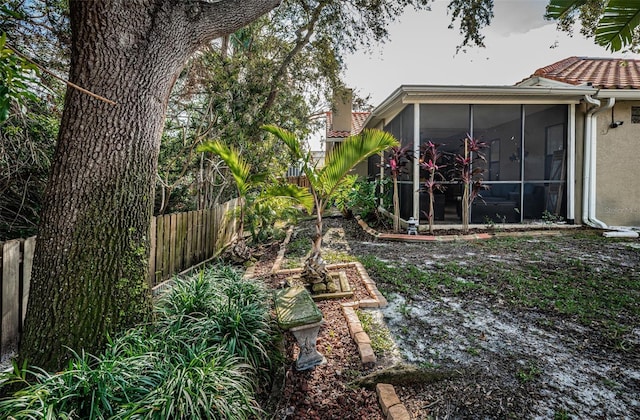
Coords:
pixel 315 270
pixel 90 267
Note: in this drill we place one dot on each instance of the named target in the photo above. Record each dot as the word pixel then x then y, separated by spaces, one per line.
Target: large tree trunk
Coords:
pixel 91 262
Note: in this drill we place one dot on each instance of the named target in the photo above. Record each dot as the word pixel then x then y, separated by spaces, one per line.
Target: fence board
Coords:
pixel 179 237
pixel 176 243
pixel 198 235
pixel 172 243
pixel 157 270
pixel 152 252
pixel 167 246
pixel 208 229
pixel 27 265
pixel 189 240
pixel 10 295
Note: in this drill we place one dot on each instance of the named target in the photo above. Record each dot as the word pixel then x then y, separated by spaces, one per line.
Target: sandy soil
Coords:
pixel 506 361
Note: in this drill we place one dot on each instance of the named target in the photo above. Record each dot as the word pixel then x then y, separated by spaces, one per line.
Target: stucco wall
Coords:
pixel 617 180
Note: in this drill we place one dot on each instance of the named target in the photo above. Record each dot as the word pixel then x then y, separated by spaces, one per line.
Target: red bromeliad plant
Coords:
pixel 429 162
pixel 470 176
pixel 396 164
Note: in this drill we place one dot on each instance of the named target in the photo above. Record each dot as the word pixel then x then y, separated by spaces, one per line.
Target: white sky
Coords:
pixel 422 50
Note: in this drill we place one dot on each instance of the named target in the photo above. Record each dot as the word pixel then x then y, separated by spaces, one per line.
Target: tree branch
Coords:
pixel 214 19
pixel 301 42
pixel 66 82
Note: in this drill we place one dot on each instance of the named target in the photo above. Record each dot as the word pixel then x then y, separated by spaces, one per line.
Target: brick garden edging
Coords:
pixel 391 406
pixel 403 237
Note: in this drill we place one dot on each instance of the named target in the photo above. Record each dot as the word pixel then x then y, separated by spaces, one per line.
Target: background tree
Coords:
pixel 32 113
pixel 280 69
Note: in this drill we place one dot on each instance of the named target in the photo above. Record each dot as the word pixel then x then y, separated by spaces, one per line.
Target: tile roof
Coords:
pixel 357 124
pixel 604 73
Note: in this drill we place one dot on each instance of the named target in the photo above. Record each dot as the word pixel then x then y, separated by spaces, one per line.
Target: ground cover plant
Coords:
pixel 205 355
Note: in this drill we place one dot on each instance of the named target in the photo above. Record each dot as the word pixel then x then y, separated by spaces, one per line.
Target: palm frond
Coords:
pixel 295 147
pixel 352 151
pixel 616 27
pixel 238 167
pixel 559 9
pixel 295 193
pixel 288 138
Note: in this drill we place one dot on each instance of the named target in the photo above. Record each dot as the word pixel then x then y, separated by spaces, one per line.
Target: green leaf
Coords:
pixel 294 192
pixel 352 151
pixel 616 27
pixel 238 167
pixel 288 138
pixel 558 9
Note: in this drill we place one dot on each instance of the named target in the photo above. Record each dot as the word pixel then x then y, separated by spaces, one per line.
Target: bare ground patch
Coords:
pixel 538 327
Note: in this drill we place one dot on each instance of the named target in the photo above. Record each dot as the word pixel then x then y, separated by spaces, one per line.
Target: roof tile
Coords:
pixel 604 73
pixel 357 124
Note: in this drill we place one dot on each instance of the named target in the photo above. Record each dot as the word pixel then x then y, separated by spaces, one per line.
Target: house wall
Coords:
pixel 617 183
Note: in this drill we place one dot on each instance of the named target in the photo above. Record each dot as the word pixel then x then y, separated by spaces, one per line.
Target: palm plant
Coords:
pixel 324 182
pixel 247 183
pixel 615 22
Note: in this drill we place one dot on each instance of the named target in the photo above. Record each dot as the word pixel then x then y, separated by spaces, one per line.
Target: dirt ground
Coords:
pixel 502 360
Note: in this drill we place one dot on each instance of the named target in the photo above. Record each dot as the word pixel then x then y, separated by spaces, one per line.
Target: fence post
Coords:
pixel 27 265
pixel 10 298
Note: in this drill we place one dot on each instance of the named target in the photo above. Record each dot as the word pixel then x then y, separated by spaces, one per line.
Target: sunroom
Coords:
pixel 529 163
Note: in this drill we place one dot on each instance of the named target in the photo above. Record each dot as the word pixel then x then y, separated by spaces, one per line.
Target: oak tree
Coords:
pixel 90 265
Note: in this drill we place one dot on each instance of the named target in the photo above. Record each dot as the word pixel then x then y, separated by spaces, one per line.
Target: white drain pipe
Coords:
pixel 589 166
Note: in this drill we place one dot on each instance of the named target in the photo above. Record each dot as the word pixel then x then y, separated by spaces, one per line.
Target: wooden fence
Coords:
pixel 181 240
pixel 300 181
pixel 16 262
pixel 178 241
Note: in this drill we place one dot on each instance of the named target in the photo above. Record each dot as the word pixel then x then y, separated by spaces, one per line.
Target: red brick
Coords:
pixel 387 397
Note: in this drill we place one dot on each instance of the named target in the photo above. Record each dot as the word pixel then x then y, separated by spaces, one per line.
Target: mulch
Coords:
pixel 324 392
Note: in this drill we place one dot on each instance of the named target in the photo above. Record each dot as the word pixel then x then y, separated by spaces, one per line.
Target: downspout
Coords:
pixel 589 166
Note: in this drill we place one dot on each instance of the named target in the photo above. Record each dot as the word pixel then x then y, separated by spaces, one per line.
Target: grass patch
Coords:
pixel 529 372
pixel 298 248
pixel 334 257
pixel 407 278
pixel 554 275
pixel 381 341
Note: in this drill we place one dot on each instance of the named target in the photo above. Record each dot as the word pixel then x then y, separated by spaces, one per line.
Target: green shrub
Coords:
pixel 358 197
pixel 200 359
